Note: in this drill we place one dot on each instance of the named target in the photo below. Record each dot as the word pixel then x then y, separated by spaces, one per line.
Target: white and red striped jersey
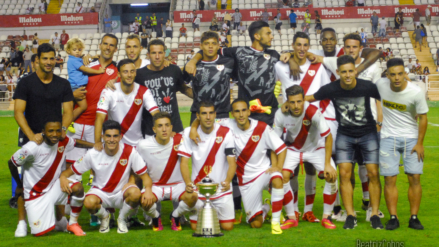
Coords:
pixel 305 133
pixel 339 51
pixel 111 173
pixel 209 156
pixel 312 78
pixel 163 161
pixel 41 165
pixel 251 148
pixel 127 110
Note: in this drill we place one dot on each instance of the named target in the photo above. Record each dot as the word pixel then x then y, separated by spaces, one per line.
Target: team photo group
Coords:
pixel 120 122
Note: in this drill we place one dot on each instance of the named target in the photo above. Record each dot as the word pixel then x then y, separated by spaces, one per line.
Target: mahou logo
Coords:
pixel 188 15
pixel 297 12
pixel 72 18
pixel 29 20
pixel 406 10
pixel 367 11
pixel 258 13
pixel 332 12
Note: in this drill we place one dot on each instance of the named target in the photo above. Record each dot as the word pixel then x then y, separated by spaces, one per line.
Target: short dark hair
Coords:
pixel 209 35
pixel 395 62
pixel 156 42
pixel 33 57
pixel 295 90
pixel 52 119
pixel 134 36
pixel 345 59
pixel 255 27
pixel 123 62
pixel 237 100
pixel 354 36
pixel 328 29
pixel 300 35
pixel 110 125
pixel 292 11
pixel 205 103
pixel 161 115
pixel 111 36
pixel 44 48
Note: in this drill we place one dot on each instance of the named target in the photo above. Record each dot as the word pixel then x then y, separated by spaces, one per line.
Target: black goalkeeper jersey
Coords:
pixel 212 83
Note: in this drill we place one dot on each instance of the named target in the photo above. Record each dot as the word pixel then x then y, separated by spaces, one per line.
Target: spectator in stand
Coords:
pixel 280 3
pixel 27 56
pixel 159 28
pixel 201 4
pixel 416 19
pixel 20 47
pixel 424 35
pixel 410 66
pixel 389 53
pixel 360 2
pixel 226 28
pixel 35 43
pixel 211 4
pixel 168 29
pixel 167 51
pixel 194 17
pixel 147 26
pixel 2 66
pixel 374 22
pixel 417 36
pixel 92 9
pixel 183 31
pixel 196 23
pixel 15 66
pixel 265 15
pixel 318 26
pixel 350 3
pixel 223 4
pixel 107 25
pixel 29 10
pixel 224 40
pixel 363 35
pixel 307 17
pixel 428 14
pixel 383 26
pixel 426 70
pixel 241 29
pixel 59 62
pixel 190 56
pixel 296 4
pixel 133 27
pixel 397 22
pixel 228 18
pixel 153 22
pixel 417 68
pixel 293 20
pixel 64 38
pixel 307 3
pixel 401 15
pixel 305 27
pixel 56 41
pixel 144 42
pixel 42 7
pixel 12 53
pixel 79 9
pixel 8 66
pixel 278 21
pixel 138 18
pixel 214 23
pixel 237 17
pixel 437 68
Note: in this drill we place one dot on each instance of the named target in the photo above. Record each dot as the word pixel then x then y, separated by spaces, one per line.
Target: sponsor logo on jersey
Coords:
pixel 256 138
pixel 311 72
pixel 267 56
pixel 219 139
pixel 102 100
pixel 61 149
pixel 138 101
pixel 393 105
pixel 109 71
pixel 123 162
pixel 21 157
pixel 220 67
pixel 306 122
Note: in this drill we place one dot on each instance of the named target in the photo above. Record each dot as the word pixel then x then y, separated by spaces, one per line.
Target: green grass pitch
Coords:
pixel 306 234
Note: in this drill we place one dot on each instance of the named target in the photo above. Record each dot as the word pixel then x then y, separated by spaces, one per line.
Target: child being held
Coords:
pixel 78 73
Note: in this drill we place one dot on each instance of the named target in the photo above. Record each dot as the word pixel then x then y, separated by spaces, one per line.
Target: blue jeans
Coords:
pixel 391 149
pixel 382 33
pixel 345 147
pixel 374 28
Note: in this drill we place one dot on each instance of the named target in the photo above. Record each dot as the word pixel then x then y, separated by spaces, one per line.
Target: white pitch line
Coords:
pixel 435 125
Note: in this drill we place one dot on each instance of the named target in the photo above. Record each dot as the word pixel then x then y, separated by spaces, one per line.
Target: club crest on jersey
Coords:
pixel 109 71
pixel 306 122
pixel 123 162
pixel 220 67
pixel 176 147
pixel 61 149
pixel 37 223
pixel 267 56
pixel 138 101
pixel 311 72
pixel 219 139
pixel 256 138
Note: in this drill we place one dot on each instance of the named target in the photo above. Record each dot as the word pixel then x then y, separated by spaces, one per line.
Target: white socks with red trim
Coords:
pixel 277 196
pixel 102 213
pixel 75 208
pixel 125 210
pixel 295 187
pixel 181 209
pixel 288 201
pixel 310 192
pixel 329 196
pixel 362 173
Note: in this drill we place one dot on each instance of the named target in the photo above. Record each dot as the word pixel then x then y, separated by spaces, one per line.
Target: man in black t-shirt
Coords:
pixel 40 94
pixel 212 80
pixel 255 65
pixel 164 82
pixel 357 129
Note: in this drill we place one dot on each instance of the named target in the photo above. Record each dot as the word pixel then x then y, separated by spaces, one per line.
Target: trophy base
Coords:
pixel 207 236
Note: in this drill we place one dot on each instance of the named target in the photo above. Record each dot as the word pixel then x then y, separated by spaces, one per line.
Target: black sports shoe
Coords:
pixel 365 205
pixel 350 223
pixel 337 209
pixel 393 223
pixel 135 222
pixel 13 202
pixel 415 223
pixel 375 222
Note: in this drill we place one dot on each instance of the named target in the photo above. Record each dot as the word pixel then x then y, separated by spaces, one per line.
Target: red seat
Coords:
pixel 197 39
pixel 372 46
pixel 181 45
pixel 10 37
pixel 24 37
pixel 31 37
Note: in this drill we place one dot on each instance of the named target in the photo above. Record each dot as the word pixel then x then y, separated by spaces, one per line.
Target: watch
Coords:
pixel 380 123
pixel 64 128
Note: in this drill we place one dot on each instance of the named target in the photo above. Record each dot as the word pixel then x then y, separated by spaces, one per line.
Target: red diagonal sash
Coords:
pixel 132 113
pixel 210 161
pixel 300 139
pixel 172 161
pixel 119 170
pixel 307 80
pixel 48 177
pixel 249 148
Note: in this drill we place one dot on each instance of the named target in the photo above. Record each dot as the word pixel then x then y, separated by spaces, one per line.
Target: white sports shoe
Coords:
pixel 105 224
pixel 342 216
pixel 121 226
pixel 21 229
pixel 369 213
pixel 61 226
pixel 147 218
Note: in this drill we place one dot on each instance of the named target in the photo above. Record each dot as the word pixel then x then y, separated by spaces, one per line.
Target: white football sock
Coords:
pixel 125 210
pixel 102 213
pixel 277 196
pixel 288 201
pixel 362 173
pixel 310 192
pixel 329 196
pixel 181 209
pixel 75 208
pixel 295 187
pixel 152 212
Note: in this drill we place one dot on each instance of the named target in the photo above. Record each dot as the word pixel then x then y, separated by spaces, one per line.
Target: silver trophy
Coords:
pixel 208 224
